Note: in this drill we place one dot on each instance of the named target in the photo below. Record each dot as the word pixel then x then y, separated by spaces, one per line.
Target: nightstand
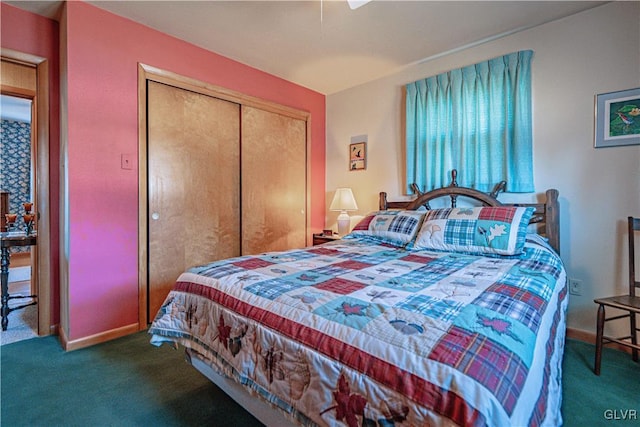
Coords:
pixel 319 239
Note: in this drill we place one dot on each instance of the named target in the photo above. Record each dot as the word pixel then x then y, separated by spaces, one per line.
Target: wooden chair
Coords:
pixel 629 303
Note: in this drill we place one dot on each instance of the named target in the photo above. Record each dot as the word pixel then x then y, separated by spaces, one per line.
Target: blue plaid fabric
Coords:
pixel 541 260
pixel 330 270
pixel 538 284
pixel 272 289
pixel 373 259
pixel 439 213
pixel 403 225
pixel 217 270
pixel 459 232
pixel 397 228
pixel 511 307
pixel 441 309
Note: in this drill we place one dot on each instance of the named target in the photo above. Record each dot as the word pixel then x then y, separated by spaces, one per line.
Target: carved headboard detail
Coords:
pixel 546 216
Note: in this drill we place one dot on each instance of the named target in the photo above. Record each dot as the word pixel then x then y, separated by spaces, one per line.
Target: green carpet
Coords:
pixel 125 382
pixel 589 400
pixel 128 382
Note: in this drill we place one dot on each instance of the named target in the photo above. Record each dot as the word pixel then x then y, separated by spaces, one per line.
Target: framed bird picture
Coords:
pixel 358 155
pixel 617 118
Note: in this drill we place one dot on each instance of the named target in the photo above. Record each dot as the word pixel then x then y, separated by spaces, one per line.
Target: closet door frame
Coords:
pixel 150 73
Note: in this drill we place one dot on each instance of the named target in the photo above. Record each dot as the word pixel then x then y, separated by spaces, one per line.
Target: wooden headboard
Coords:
pixel 546 216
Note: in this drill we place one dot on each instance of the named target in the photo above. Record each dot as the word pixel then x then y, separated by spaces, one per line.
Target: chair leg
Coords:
pixel 599 333
pixel 634 336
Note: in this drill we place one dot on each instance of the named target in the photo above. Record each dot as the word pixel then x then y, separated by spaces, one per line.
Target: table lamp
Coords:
pixel 343 201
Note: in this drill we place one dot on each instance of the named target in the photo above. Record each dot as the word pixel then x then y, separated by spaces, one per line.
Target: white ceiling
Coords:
pixel 326 46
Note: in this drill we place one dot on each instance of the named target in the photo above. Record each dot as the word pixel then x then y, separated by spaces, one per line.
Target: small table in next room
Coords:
pixel 9 240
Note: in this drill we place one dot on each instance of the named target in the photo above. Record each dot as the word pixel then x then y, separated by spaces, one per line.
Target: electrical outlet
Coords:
pixel 575 287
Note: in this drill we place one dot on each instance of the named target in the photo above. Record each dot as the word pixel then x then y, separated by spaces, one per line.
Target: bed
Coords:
pixel 420 316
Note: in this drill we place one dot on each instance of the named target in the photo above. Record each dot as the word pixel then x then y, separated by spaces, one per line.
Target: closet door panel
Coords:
pixel 273 174
pixel 193 184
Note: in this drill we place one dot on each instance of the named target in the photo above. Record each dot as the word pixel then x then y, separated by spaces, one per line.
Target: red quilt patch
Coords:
pixel 418 258
pixel 252 264
pixel 340 286
pixel 351 265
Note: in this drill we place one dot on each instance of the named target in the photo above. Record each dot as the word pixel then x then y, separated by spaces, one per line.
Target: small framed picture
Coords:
pixel 358 153
pixel 617 116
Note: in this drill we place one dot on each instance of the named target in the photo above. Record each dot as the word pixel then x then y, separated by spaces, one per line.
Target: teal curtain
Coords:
pixel 475 119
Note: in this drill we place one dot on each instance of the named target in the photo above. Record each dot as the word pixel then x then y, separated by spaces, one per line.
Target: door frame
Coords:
pixel 150 73
pixel 41 257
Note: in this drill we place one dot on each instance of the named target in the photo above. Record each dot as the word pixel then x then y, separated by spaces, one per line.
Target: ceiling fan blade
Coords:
pixel 354 4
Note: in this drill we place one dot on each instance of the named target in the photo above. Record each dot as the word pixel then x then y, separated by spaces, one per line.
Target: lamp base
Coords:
pixel 344 223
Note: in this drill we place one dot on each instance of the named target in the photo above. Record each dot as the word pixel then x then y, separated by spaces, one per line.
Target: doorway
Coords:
pixel 17 188
pixel 24 83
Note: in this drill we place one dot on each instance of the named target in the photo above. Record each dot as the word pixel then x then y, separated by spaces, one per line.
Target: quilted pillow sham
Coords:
pixel 480 230
pixel 396 227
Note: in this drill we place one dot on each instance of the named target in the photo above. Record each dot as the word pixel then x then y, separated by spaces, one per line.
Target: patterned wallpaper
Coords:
pixel 15 164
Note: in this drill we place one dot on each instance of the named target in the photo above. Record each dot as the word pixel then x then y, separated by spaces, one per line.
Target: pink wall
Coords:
pixel 103 51
pixel 28 33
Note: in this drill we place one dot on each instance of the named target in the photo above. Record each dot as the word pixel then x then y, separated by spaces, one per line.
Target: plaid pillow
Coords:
pixel 395 227
pixel 481 230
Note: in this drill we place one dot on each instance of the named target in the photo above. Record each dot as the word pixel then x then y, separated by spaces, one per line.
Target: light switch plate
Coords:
pixel 125 161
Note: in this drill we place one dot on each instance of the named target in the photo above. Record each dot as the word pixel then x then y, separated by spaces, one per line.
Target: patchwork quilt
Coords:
pixel 360 332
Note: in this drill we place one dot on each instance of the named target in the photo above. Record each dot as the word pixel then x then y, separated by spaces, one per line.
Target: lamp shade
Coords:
pixel 343 200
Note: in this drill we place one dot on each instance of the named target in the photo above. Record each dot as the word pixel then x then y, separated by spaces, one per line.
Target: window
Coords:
pixel 475 119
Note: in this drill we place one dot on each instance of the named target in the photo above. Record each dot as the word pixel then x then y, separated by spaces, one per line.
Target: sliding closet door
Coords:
pixel 193 184
pixel 273 172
